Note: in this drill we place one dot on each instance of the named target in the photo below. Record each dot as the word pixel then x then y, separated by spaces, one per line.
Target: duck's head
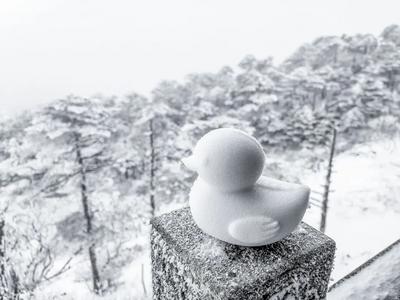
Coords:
pixel 228 159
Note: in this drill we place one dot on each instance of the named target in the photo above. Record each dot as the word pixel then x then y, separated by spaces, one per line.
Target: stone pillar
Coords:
pixel 189 264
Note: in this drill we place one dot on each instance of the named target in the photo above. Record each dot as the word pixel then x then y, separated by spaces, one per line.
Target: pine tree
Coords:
pixel 81 129
pixel 159 125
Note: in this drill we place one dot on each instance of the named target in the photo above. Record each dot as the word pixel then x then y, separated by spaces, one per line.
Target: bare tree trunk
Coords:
pixel 314 100
pixel 95 272
pixel 391 81
pixel 335 56
pixel 3 280
pixel 89 218
pixel 15 291
pixel 143 282
pixel 9 285
pixel 152 167
pixel 325 196
pixel 126 172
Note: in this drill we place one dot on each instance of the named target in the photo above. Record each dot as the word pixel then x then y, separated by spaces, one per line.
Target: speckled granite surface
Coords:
pixel 188 264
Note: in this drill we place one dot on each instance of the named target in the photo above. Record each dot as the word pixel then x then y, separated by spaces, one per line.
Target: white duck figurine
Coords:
pixel 231 201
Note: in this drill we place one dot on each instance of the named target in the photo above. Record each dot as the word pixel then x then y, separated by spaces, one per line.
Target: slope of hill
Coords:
pixel 80 178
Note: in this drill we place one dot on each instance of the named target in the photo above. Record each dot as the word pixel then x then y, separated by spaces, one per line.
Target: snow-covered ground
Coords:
pixel 364 207
pixel 363 218
pixel 378 279
pixel 135 283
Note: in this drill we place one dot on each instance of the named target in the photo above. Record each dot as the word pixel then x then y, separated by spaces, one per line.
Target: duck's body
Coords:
pixel 256 216
pixel 231 201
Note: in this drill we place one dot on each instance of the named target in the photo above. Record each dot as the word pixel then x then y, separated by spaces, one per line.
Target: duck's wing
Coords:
pixel 254 229
pixel 279 185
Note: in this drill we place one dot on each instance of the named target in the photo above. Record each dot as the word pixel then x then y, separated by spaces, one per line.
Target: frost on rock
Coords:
pixel 211 248
pixel 189 264
pixel 295 286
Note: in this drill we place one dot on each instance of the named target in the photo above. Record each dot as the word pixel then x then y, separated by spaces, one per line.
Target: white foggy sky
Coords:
pixel 51 48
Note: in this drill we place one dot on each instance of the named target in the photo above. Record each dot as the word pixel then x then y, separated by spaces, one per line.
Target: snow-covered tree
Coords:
pixel 159 126
pixel 80 129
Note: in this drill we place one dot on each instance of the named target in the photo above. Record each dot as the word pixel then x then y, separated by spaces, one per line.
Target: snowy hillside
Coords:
pixel 378 278
pixel 80 178
pixel 364 207
pixel 361 220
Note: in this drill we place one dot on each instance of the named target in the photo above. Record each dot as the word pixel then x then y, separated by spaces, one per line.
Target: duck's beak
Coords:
pixel 190 163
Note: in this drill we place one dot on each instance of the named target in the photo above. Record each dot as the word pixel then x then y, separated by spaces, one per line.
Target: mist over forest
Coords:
pixel 80 178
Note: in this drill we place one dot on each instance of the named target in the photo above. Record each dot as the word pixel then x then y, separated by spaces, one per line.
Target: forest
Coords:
pixel 80 178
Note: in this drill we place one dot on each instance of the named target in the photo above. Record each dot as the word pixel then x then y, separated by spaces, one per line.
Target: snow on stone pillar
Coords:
pixel 189 264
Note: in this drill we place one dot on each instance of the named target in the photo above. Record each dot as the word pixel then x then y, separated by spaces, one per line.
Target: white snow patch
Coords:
pixel 364 205
pixel 379 280
pixel 211 248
